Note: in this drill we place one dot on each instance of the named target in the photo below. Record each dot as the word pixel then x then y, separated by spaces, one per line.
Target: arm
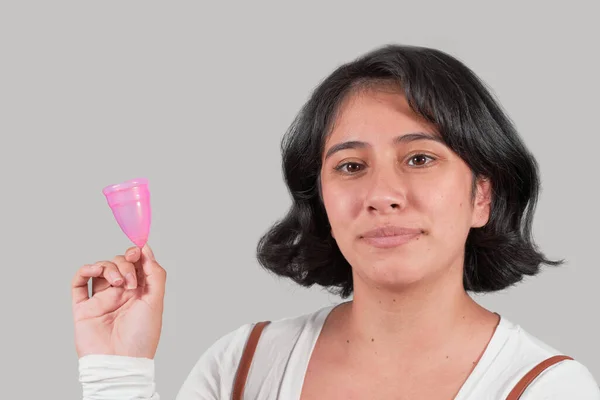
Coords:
pixel 109 377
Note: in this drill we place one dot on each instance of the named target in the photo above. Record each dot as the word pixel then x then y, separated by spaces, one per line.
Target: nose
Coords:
pixel 387 193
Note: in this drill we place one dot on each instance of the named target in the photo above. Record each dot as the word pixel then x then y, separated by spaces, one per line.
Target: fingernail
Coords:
pixel 116 278
pixel 131 283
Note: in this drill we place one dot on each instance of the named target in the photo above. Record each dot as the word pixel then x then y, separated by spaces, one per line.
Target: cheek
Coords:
pixel 342 206
pixel 446 204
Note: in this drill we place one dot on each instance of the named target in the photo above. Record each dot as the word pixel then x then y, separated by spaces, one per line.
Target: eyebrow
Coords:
pixel 407 138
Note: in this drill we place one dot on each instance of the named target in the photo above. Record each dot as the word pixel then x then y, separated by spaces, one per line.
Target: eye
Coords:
pixel 419 160
pixel 350 167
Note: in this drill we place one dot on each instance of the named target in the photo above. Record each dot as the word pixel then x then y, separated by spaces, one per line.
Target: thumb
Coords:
pixel 147 251
pixel 155 275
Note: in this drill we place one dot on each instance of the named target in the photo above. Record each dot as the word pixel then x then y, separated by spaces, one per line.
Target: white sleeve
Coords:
pixel 110 377
pixel 564 381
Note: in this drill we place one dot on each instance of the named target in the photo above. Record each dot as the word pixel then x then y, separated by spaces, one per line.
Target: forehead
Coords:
pixel 372 114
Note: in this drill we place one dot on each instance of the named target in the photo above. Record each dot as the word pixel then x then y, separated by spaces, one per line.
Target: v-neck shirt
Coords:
pixel 284 351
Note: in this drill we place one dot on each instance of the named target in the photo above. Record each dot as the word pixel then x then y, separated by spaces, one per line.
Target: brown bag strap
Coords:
pixel 244 367
pixel 520 387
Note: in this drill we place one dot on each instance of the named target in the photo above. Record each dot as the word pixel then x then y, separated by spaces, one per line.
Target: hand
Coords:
pixel 124 315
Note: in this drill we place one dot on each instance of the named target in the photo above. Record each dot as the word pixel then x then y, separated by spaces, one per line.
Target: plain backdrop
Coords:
pixel 195 96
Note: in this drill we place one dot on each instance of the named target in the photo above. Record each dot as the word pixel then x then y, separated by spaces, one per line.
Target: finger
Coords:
pixel 111 273
pixel 126 269
pixel 99 284
pixel 102 303
pixel 133 254
pixel 79 285
pixel 155 276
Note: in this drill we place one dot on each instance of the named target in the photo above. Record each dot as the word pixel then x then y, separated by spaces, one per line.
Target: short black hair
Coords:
pixel 448 94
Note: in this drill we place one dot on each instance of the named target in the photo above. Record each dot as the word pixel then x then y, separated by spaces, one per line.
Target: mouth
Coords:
pixel 386 237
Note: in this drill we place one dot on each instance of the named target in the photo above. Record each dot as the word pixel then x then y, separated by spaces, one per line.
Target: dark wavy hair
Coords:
pixel 449 95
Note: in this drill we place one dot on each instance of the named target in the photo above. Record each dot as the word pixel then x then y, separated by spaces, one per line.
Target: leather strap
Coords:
pixel 244 367
pixel 520 387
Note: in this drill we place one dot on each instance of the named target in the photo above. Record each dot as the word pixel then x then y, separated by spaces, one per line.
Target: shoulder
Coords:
pixel 293 326
pixel 281 337
pixel 215 370
pixel 229 348
pixel 212 373
pixel 566 379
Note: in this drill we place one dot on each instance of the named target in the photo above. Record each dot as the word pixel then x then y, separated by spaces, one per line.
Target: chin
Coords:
pixel 392 275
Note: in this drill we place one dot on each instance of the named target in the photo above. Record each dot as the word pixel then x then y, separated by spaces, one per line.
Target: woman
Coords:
pixel 410 188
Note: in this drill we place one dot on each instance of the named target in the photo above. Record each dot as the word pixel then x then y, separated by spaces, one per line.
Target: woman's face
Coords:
pixel 399 201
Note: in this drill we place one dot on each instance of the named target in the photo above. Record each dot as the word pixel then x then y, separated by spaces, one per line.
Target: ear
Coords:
pixel 482 202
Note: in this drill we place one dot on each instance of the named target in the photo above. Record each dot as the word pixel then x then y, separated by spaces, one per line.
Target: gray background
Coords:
pixel 196 98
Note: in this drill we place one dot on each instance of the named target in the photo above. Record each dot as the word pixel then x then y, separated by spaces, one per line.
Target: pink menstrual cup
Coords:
pixel 130 204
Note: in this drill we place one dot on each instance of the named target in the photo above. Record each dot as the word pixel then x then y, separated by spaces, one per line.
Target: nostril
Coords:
pixel 383 207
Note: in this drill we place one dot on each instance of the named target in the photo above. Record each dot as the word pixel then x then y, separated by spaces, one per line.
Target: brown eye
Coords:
pixel 419 160
pixel 350 167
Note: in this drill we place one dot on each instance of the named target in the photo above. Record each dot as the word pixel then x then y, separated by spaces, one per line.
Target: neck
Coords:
pixel 420 319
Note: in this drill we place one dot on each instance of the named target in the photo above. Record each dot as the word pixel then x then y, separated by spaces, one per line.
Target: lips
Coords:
pixel 390 236
pixel 389 230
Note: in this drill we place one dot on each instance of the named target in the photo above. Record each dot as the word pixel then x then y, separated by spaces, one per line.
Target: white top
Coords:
pixel 282 357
